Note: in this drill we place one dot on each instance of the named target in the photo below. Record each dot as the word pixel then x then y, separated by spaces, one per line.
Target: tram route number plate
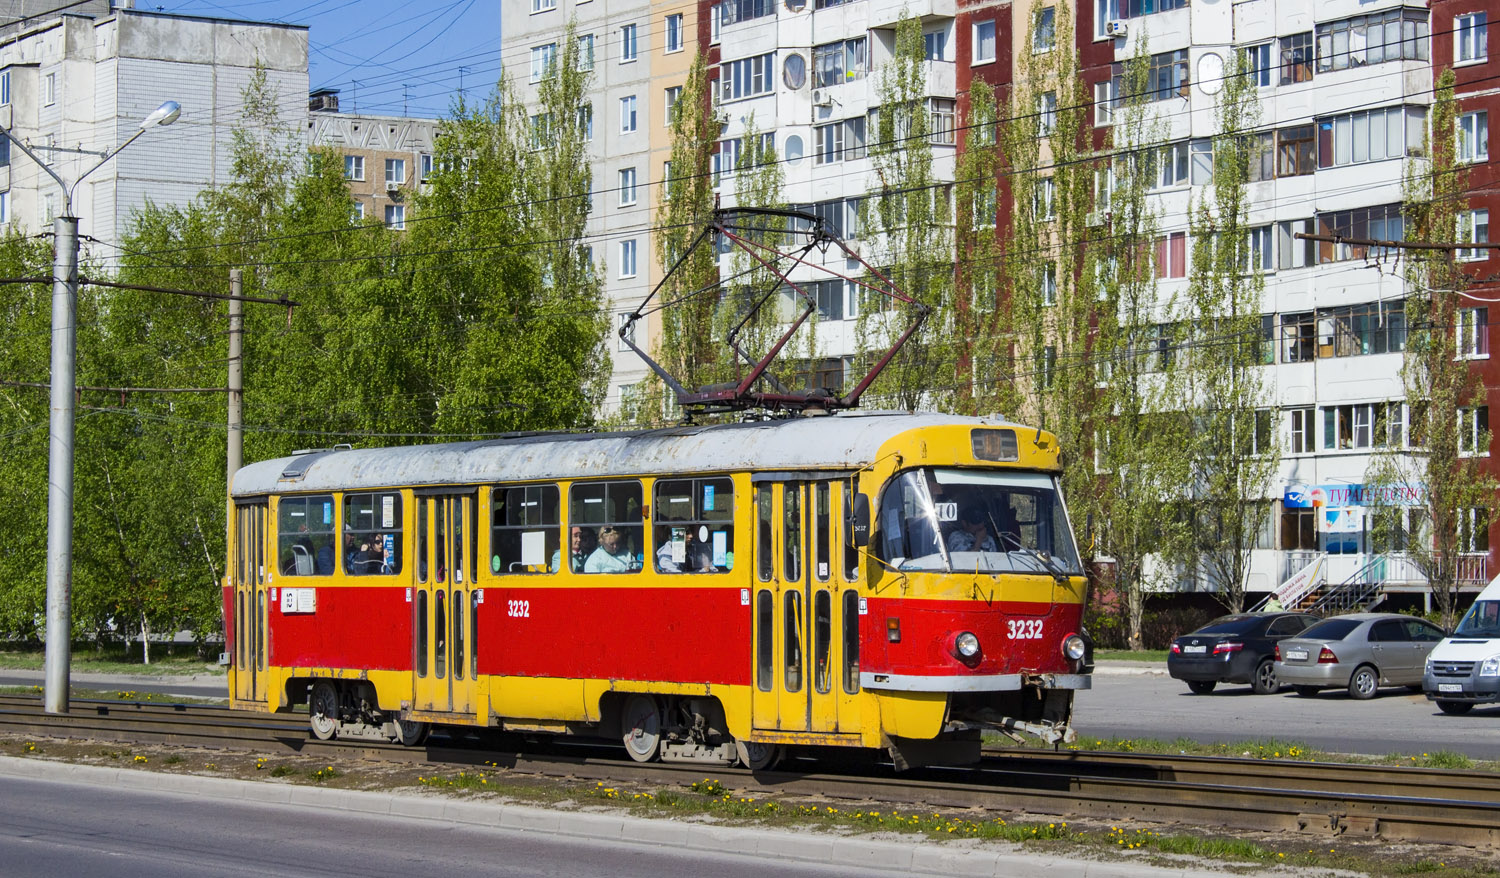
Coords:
pixel 1296 655
pixel 1450 687
pixel 1195 649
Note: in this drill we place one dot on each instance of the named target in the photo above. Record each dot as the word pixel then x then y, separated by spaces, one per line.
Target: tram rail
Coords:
pixel 1327 799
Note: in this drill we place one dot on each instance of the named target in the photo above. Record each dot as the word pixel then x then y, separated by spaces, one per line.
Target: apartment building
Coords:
pixel 1344 88
pixel 386 158
pixel 75 86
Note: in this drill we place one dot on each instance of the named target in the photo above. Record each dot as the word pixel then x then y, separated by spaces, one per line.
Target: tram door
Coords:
pixel 249 576
pixel 796 613
pixel 446 540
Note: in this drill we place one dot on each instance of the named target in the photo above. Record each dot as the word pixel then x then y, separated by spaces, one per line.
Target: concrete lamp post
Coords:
pixel 60 444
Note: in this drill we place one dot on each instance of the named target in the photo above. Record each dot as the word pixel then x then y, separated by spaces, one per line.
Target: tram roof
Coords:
pixel 811 443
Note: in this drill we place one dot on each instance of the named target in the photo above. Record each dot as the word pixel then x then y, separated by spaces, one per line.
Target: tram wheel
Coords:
pixel 323 711
pixel 757 756
pixel 641 723
pixel 410 732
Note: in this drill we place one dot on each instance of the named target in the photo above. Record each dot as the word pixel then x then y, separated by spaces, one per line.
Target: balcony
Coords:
pixel 885 13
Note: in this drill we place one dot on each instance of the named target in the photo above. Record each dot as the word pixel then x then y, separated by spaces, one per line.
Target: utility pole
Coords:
pixel 236 375
pixel 58 658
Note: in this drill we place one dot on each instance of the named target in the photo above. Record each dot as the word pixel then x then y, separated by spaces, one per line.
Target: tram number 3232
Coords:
pixel 519 609
pixel 1025 629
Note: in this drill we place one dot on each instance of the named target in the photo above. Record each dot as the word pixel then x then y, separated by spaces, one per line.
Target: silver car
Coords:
pixel 1360 652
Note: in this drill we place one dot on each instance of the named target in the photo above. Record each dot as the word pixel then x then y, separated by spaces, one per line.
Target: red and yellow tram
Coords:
pixel 714 593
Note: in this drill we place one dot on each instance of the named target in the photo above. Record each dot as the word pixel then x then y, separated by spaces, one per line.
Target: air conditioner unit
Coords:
pixel 392 187
pixel 821 98
pixel 1115 28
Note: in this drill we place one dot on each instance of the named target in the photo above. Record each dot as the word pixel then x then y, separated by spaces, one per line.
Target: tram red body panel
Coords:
pixel 617 632
pixel 354 627
pixel 1013 637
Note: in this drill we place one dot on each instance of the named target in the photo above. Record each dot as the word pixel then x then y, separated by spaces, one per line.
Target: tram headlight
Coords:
pixel 966 644
pixel 1073 647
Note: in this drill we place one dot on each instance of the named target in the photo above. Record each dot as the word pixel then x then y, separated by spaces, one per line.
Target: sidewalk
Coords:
pixel 188 685
pixel 1118 667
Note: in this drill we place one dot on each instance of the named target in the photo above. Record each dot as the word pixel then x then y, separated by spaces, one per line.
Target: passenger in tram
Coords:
pixel 972 534
pixel 613 555
pixel 581 544
pixel 354 554
pixel 325 559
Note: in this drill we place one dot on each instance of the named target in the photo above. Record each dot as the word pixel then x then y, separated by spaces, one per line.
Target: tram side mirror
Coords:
pixel 859 522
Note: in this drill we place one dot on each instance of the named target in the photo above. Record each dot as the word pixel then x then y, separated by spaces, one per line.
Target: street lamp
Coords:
pixel 60 444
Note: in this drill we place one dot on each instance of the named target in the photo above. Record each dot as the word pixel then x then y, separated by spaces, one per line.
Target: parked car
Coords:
pixel 1234 649
pixel 1360 652
pixel 1464 670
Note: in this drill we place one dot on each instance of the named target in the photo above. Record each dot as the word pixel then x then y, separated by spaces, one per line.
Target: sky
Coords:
pixel 386 57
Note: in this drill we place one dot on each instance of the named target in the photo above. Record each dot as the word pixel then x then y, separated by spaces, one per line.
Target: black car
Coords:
pixel 1234 649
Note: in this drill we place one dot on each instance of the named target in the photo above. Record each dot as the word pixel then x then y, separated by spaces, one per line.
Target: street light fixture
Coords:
pixel 60 443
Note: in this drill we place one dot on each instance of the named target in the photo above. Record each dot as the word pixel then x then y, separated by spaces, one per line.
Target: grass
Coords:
pixel 1130 655
pixel 114 658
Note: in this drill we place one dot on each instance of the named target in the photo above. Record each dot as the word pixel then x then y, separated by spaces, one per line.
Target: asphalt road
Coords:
pixel 51 828
pixel 1395 721
pixel 200 686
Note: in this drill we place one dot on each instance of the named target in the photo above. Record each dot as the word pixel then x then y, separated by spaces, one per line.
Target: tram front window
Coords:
pixel 971 520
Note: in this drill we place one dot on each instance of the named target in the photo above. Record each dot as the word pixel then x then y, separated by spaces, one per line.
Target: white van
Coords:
pixel 1464 670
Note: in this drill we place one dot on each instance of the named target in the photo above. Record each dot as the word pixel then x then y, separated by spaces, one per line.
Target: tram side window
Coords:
pixel 304 535
pixel 694 526
pixel 851 551
pixel 765 560
pixel 524 532
pixel 851 641
pixel 610 512
pixel 372 534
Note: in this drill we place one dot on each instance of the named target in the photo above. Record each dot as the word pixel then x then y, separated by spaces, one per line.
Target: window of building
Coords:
pixel 935 45
pixel 627 187
pixel 674 32
pixel 835 63
pixel 1473 430
pixel 984 41
pixel 525 532
pixel 1473 228
pixel 1044 29
pixel 1349 426
pixel 747 77
pixel 4 87
pixel 671 96
pixel 984 207
pixel 1117 9
pixel 395 171
pixel 586 52
pixel 612 512
pixel 1167 76
pixel 627 258
pixel 354 167
pixel 940 121
pixel 745 10
pixel 1171 166
pixel 1294 252
pixel 627 43
pixel 427 166
pixel 1105 97
pixel 839 215
pixel 1046 366
pixel 1473 137
pixel 356 210
pixel 1047 284
pixel 1296 58
pixel 1296 151
pixel 1171 255
pixel 1361 330
pixel 839 141
pixel 1046 113
pixel 1471 37
pixel 543 5
pixel 1473 333
pixel 1370 136
pixel 1382 223
pixel 694 525
pixel 1303 431
pixel 49 89
pixel 586 122
pixel 1258 64
pixel 625 330
pixel 715 22
pixel 627 114
pixel 1258 255
pixel 1392 35
pixel 1045 199
pixel 1474 531
pixel 542 58
pixel 395 216
pixel 1298 338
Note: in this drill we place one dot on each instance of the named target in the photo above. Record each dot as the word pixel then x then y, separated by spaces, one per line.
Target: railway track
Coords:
pixel 1331 800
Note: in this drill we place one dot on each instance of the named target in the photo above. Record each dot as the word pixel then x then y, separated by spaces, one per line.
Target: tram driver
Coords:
pixel 972 535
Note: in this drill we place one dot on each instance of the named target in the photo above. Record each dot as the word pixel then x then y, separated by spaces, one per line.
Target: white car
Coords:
pixel 1464 670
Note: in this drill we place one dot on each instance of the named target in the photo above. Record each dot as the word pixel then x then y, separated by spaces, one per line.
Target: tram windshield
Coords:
pixel 969 520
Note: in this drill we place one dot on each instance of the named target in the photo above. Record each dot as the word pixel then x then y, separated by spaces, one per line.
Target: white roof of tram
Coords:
pixel 807 443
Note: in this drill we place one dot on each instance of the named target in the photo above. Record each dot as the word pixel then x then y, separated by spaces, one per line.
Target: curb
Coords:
pixel 1130 669
pixel 919 855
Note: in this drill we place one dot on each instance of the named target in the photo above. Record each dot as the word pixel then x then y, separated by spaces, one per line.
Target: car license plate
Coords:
pixel 1296 655
pixel 1450 687
pixel 1195 649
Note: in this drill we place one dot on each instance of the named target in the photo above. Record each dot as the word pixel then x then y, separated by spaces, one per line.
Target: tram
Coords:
pixel 886 581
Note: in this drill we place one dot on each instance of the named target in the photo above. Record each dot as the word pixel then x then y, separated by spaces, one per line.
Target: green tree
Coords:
pixel 1443 393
